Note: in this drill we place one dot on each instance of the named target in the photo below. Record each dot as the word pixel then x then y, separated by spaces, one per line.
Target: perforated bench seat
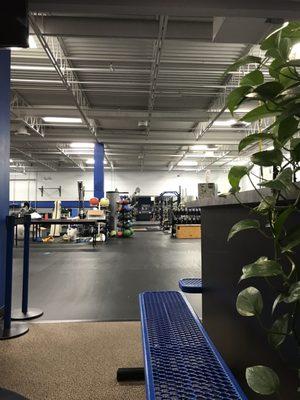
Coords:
pixel 191 285
pixel 181 363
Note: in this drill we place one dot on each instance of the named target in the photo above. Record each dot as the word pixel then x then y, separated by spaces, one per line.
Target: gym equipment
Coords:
pixel 10 330
pixel 166 202
pixel 185 216
pixel 127 233
pixel 81 193
pixel 26 313
pixel 120 234
pixel 113 198
pixel 94 202
pixel 124 217
pixel 104 202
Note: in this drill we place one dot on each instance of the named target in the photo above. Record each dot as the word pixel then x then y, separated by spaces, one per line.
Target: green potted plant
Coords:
pixel 277 108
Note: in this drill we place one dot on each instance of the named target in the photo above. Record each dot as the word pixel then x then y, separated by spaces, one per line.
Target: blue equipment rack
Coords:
pixel 191 285
pixel 180 360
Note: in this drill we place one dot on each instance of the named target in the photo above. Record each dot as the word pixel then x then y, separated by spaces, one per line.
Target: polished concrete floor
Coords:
pixel 76 282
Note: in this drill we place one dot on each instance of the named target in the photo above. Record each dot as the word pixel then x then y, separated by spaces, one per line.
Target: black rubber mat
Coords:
pixel 75 282
pixel 8 395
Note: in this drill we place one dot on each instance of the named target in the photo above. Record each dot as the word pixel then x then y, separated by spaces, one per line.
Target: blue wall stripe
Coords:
pixel 50 204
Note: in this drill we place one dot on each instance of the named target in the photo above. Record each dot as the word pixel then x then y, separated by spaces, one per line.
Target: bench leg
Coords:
pixel 130 374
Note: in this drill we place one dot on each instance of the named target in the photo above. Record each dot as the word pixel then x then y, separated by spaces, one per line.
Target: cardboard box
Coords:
pixel 95 213
pixel 188 231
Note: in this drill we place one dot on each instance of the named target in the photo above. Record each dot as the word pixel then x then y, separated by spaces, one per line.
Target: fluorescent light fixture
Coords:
pixel 31 68
pixel 201 147
pixel 91 161
pixel 205 154
pixel 32 42
pixel 295 52
pixel 225 122
pixel 64 120
pixel 77 145
pixel 187 163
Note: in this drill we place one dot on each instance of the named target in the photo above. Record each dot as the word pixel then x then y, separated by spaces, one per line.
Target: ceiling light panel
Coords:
pixel 187 163
pixel 78 145
pixel 64 120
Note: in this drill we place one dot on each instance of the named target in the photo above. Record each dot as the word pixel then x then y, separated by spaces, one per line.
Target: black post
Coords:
pixel 25 313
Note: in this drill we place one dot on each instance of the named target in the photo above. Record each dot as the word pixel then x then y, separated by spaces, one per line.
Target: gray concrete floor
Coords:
pixel 76 282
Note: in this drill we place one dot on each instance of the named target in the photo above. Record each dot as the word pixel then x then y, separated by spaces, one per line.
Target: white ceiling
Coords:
pixel 128 65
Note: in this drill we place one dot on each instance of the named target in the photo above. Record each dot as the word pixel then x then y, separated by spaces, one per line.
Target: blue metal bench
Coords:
pixel 180 360
pixel 191 285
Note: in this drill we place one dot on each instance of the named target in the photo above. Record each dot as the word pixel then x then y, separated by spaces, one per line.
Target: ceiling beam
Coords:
pixel 123 28
pixel 34 123
pixel 194 8
pixel 157 53
pixel 33 159
pixel 79 165
pixel 69 79
pixel 56 55
pixel 141 141
pixel 63 111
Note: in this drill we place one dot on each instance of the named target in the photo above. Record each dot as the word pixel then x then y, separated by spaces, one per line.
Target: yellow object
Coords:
pixel 104 202
pixel 188 231
pixel 48 239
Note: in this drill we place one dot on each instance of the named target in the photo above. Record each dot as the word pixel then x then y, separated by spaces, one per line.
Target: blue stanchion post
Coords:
pixel 26 313
pixel 26 264
pixel 10 330
pixel 10 226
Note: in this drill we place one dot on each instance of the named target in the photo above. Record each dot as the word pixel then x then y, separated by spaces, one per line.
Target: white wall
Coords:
pixel 25 187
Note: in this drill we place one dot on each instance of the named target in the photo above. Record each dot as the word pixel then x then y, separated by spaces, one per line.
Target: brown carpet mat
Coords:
pixel 75 361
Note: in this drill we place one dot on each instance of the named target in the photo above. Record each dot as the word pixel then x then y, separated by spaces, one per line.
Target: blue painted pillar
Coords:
pixel 99 170
pixel 4 158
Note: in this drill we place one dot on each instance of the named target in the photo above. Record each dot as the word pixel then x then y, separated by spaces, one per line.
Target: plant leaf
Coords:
pixel 269 90
pixel 236 97
pixel 281 219
pixel 284 47
pixel 279 331
pixel 267 158
pixel 292 239
pixel 254 78
pixel 282 182
pixel 243 225
pixel 259 113
pixel 263 267
pixel 287 128
pixel 286 77
pixel 278 300
pixel 243 61
pixel 295 149
pixel 255 137
pixel 249 302
pixel 294 293
pixel 275 68
pixel 265 205
pixel 262 380
pixel 235 175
